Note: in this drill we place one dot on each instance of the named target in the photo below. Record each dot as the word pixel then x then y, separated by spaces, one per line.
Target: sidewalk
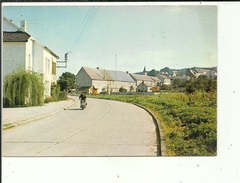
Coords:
pixel 15 116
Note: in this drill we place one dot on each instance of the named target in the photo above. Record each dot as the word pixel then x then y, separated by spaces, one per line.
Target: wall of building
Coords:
pixel 167 82
pixel 116 85
pixel 37 53
pixel 100 85
pixel 47 71
pixel 54 69
pixel 142 87
pixel 13 57
pixel 82 79
pixel 29 56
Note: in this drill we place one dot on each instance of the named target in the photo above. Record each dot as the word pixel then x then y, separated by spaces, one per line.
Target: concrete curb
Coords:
pixel 21 122
pixel 161 143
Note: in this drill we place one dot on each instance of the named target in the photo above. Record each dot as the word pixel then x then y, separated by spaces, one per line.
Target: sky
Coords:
pixel 123 37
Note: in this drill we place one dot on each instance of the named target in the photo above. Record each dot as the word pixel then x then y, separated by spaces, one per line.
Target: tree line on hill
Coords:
pixel 180 72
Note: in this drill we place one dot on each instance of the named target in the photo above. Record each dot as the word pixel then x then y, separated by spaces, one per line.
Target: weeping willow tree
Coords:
pixel 23 88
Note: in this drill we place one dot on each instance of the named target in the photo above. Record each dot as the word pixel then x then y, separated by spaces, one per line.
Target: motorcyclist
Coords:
pixel 82 97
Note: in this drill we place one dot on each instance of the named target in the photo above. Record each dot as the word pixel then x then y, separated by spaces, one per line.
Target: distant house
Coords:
pixel 145 80
pixel 95 80
pixel 211 74
pixel 156 80
pixel 195 73
pixel 22 51
pixel 144 87
pixel 164 80
pixel 138 78
pixel 202 71
pixel 174 74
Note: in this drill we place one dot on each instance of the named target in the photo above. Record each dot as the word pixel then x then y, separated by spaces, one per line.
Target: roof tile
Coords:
pixel 15 36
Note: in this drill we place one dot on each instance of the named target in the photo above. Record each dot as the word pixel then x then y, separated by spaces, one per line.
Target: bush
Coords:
pixel 63 95
pixel 23 88
pixel 56 94
pixel 122 89
pixel 202 83
pixel 48 99
pixel 166 87
pixel 6 102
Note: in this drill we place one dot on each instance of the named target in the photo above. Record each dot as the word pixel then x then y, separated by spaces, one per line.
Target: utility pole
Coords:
pixel 63 61
pixel 116 69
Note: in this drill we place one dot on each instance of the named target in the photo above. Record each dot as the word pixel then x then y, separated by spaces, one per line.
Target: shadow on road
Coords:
pixel 74 109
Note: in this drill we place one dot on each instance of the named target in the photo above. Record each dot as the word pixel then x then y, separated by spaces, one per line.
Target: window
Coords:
pixel 54 68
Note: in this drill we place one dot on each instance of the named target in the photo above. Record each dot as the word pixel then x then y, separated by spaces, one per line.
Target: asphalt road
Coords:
pixel 104 128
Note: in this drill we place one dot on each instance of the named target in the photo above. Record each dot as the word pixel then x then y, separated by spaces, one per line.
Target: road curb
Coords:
pixel 161 143
pixel 21 122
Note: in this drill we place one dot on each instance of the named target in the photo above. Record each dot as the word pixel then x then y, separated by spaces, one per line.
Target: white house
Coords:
pixel 164 80
pixel 138 78
pixel 211 74
pixel 22 51
pixel 144 87
pixel 95 80
pixel 145 82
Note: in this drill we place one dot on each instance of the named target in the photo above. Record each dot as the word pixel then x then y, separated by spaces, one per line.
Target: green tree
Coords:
pixel 166 69
pixel 166 87
pixel 23 88
pixel 176 83
pixel 179 83
pixel 153 72
pixel 202 83
pixel 67 81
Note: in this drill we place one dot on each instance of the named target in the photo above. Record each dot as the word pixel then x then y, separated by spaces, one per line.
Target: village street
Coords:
pixel 104 128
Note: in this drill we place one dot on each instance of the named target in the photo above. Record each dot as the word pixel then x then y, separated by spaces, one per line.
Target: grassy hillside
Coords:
pixel 189 121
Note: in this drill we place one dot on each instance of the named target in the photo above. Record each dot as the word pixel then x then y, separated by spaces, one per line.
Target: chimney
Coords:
pixel 23 25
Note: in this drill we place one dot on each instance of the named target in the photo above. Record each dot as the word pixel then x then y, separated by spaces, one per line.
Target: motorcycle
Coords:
pixel 83 104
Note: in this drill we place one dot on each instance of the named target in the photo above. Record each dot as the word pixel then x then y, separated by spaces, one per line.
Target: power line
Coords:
pixel 90 22
pixel 85 24
pixel 81 27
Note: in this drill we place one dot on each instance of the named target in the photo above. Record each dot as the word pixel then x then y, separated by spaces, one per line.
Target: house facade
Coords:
pixel 138 78
pixel 211 74
pixel 22 51
pixel 95 80
pixel 144 87
pixel 164 80
pixel 144 82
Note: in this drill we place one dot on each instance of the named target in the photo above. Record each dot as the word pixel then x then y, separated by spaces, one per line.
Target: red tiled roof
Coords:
pixel 15 36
